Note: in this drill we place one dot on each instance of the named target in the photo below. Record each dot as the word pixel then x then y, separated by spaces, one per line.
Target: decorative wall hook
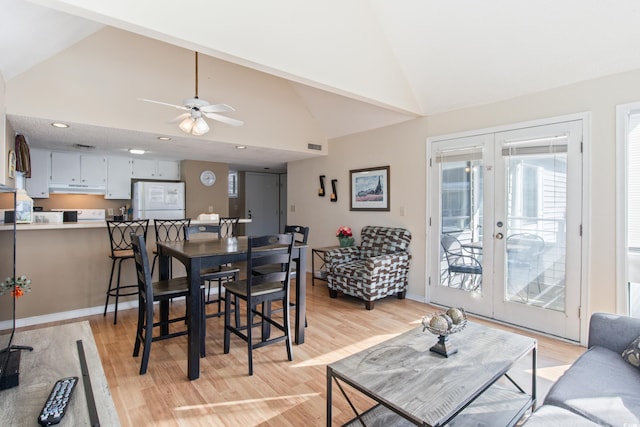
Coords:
pixel 321 189
pixel 334 191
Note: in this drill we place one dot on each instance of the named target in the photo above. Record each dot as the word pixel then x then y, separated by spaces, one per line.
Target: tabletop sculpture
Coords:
pixel 444 324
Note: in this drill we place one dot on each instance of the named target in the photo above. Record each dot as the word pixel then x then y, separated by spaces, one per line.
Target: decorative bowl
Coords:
pixel 455 327
pixel 444 346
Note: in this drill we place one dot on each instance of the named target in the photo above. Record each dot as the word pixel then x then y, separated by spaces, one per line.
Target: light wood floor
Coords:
pixel 280 393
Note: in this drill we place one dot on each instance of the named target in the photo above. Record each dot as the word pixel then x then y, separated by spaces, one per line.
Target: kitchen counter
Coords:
pixel 69 266
pixel 41 226
pixel 88 224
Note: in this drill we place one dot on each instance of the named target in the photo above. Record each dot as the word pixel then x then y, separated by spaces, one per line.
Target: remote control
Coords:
pixel 56 405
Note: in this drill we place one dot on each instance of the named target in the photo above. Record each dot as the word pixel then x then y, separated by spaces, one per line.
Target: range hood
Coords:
pixel 77 189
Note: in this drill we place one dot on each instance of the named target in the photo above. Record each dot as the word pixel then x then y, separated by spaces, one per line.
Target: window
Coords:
pixel 233 184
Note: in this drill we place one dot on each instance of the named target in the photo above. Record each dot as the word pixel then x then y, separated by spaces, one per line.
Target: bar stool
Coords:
pixel 121 249
pixel 168 230
pixel 223 272
pixel 301 236
pixel 150 292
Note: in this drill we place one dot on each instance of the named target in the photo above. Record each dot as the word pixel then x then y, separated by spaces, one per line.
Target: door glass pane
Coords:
pixel 536 225
pixel 633 213
pixel 461 218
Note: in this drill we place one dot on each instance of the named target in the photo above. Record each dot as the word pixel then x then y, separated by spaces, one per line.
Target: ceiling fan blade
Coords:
pixel 224 119
pixel 217 108
pixel 180 107
pixel 180 118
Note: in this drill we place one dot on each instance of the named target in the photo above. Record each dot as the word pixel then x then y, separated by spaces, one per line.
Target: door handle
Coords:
pixel 499 236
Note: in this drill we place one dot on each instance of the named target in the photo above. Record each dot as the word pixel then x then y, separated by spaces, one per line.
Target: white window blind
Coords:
pixel 233 184
pixel 633 182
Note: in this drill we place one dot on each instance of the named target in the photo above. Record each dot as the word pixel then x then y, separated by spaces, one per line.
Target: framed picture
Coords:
pixel 12 164
pixel 370 189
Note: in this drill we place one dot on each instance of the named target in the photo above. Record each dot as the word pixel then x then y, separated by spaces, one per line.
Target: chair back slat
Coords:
pixel 171 230
pixel 274 251
pixel 120 233
pixel 143 272
pixel 300 233
pixel 228 227
pixel 202 229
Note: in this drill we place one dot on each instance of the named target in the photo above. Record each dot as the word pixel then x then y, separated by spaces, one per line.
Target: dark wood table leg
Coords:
pixel 163 274
pixel 194 323
pixel 301 294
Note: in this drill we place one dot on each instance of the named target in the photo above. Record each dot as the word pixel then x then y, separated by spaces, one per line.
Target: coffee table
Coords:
pixel 414 386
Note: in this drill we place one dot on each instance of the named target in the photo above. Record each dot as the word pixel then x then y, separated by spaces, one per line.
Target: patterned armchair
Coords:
pixel 379 267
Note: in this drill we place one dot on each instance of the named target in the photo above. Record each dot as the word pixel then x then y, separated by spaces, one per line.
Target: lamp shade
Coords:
pixel 200 127
pixel 187 124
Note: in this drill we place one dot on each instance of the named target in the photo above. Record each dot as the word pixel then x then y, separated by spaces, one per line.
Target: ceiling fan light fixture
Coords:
pixel 200 127
pixel 187 124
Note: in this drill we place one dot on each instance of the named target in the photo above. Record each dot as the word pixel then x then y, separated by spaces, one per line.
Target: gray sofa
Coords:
pixel 600 387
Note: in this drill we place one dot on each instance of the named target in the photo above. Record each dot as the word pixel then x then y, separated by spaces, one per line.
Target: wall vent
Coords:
pixel 84 146
pixel 317 147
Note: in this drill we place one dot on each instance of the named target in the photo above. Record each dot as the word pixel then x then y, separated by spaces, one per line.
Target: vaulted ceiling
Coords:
pixel 335 67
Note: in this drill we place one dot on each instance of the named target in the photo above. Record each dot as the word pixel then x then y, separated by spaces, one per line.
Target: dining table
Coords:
pixel 198 254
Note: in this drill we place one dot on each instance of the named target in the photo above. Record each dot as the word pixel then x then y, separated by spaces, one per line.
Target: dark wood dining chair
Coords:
pixel 121 250
pixel 219 274
pixel 150 292
pixel 262 289
pixel 301 236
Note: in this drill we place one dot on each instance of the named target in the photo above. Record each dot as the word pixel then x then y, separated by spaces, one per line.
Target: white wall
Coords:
pixel 98 82
pixel 403 147
pixel 3 135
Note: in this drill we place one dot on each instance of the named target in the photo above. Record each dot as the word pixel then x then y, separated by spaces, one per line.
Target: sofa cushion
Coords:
pixel 553 416
pixel 631 354
pixel 378 240
pixel 601 386
pixel 354 270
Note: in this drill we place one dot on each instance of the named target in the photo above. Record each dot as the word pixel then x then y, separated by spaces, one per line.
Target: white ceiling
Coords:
pixel 356 65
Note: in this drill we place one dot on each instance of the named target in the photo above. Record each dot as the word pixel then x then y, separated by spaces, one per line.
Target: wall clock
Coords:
pixel 208 178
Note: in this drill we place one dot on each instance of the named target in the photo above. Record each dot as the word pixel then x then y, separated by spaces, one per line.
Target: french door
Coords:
pixel 505 225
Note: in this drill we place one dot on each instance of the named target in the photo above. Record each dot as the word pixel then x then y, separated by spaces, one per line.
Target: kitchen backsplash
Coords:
pixel 79 201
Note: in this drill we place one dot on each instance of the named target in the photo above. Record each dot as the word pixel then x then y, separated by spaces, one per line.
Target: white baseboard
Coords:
pixel 72 314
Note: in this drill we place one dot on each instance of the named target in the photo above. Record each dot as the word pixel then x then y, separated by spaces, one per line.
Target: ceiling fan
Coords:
pixel 192 121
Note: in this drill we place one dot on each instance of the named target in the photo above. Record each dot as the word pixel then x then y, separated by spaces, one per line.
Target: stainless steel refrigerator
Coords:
pixel 158 200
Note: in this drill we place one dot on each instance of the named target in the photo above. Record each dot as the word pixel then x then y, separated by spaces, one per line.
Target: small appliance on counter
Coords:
pixel 209 217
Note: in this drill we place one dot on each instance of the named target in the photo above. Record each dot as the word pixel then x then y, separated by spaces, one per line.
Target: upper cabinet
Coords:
pixel 156 169
pixel 38 185
pixel 118 178
pixel 78 169
pixel 75 173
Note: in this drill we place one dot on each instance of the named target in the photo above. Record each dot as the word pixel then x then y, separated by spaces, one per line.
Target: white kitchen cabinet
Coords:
pixel 118 178
pixel 65 168
pixel 168 169
pixel 144 168
pixel 156 169
pixel 38 185
pixel 93 170
pixel 73 168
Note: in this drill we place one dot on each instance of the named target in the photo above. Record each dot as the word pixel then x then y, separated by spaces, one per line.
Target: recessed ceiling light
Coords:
pixel 164 138
pixel 59 125
pixel 136 151
pixel 241 147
